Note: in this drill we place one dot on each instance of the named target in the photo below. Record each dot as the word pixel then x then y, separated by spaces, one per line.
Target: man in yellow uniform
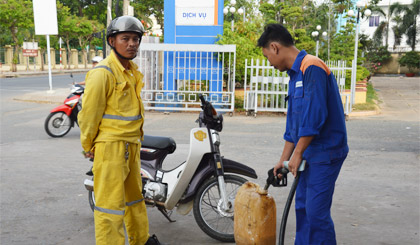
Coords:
pixel 111 124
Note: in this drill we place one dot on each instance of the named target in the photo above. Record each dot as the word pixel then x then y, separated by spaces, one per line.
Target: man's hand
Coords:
pixel 88 154
pixel 279 165
pixel 287 152
pixel 294 163
pixel 297 157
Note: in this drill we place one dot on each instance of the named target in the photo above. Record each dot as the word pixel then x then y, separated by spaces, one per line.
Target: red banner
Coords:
pixel 30 52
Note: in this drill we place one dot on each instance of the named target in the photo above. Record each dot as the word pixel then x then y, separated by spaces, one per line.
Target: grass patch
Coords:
pixel 239 104
pixel 371 100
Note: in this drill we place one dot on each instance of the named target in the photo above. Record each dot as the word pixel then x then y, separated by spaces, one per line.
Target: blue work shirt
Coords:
pixel 315 109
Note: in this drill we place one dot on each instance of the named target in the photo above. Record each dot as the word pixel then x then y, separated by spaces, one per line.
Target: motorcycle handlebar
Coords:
pixel 209 116
pixel 207 107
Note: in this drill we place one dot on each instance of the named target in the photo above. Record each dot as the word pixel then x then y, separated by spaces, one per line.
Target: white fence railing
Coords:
pixel 265 88
pixel 174 75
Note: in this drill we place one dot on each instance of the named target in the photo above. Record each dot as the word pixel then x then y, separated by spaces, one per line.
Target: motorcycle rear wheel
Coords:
pixel 57 124
pixel 208 213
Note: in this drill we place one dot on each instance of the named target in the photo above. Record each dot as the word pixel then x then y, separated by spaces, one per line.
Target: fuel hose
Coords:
pixel 287 208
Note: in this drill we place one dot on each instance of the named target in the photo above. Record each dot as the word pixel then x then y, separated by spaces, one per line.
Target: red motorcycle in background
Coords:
pixel 62 118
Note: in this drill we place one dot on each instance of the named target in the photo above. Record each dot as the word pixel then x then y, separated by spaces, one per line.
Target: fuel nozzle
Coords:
pixel 276 181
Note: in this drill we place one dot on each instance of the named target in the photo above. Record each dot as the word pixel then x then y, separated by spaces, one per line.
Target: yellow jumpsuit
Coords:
pixel 111 124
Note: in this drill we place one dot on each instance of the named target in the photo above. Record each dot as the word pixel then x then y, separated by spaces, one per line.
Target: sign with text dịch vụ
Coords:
pixel 195 13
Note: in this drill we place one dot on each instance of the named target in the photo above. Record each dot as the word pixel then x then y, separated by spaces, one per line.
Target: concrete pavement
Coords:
pixel 399 97
pixel 43 200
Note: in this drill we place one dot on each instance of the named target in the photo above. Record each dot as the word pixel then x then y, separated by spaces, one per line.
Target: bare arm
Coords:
pixel 285 156
pixel 297 157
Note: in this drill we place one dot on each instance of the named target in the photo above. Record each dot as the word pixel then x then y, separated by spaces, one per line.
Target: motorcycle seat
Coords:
pixel 159 143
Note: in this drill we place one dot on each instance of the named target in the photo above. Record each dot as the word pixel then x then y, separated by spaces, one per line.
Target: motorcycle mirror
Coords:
pixel 203 101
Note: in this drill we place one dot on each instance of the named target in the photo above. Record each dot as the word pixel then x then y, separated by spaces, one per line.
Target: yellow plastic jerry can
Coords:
pixel 255 216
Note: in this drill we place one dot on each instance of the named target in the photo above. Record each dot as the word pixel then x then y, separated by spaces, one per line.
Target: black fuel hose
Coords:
pixel 287 208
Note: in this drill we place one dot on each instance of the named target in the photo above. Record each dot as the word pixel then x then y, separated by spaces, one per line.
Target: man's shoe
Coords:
pixel 153 241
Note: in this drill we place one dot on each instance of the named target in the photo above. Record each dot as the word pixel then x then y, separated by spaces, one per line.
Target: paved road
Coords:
pixel 43 200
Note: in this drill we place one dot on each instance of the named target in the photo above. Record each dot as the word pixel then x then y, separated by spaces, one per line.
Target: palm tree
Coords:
pixel 408 20
pixel 379 34
pixel 398 30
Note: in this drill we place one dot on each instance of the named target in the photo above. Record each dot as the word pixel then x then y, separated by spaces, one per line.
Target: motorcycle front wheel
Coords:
pixel 57 124
pixel 91 198
pixel 208 212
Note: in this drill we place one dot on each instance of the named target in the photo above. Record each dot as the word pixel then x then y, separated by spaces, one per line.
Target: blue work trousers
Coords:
pixel 314 194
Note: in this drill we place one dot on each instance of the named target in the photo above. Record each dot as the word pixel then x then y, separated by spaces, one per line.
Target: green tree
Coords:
pixel 300 17
pixel 67 31
pixel 342 47
pixel 90 9
pixel 84 30
pixel 303 41
pixel 75 6
pixel 16 18
pixel 245 36
pixel 341 5
pixel 271 12
pixel 143 9
pixel 96 10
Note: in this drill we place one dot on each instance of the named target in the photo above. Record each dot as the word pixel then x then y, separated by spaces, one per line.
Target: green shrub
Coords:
pixel 362 73
pixel 376 58
pixel 411 60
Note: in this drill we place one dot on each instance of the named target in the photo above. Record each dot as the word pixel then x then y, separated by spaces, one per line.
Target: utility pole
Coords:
pixel 329 27
pixel 126 3
pixel 108 21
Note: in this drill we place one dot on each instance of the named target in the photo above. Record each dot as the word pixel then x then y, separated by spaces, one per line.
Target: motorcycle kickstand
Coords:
pixel 166 213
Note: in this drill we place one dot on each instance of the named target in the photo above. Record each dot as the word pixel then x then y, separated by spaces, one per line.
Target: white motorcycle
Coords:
pixel 201 183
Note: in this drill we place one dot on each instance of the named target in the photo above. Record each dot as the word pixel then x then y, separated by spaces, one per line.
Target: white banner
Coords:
pixel 195 12
pixel 30 45
pixel 45 17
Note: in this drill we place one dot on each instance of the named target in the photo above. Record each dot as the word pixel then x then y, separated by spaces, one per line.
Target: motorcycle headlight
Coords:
pixel 71 103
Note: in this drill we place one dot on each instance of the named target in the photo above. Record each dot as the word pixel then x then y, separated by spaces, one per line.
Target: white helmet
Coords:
pixel 97 59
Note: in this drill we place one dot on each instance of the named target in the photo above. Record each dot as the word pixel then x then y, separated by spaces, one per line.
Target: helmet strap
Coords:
pixel 120 55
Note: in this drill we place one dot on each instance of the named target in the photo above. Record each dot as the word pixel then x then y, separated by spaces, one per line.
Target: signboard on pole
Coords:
pixel 193 21
pixel 30 49
pixel 45 17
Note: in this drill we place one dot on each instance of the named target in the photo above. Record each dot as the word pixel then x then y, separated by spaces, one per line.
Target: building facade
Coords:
pixel 369 25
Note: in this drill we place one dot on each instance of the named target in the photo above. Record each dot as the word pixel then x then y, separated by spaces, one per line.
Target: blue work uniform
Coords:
pixel 315 109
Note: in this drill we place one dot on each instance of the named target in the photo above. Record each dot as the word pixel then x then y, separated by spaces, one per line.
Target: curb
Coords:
pixel 354 114
pixel 39 73
pixel 55 97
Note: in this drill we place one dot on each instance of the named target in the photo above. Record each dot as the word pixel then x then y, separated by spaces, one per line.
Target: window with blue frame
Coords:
pixel 374 21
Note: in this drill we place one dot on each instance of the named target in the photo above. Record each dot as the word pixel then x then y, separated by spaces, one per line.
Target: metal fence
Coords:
pixel 174 75
pixel 338 68
pixel 266 88
pixel 2 55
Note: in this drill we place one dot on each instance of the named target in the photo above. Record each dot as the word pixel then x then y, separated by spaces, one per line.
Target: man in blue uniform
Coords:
pixel 315 132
